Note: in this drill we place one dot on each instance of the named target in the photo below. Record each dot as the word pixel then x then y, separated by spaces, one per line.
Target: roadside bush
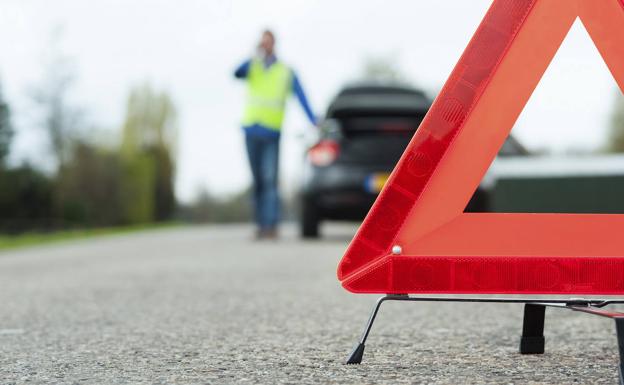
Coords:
pixel 89 188
pixel 26 201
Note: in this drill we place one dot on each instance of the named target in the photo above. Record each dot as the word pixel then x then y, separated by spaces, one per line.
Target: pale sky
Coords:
pixel 191 47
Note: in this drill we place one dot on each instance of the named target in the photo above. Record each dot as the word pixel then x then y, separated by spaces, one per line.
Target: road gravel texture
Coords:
pixel 207 305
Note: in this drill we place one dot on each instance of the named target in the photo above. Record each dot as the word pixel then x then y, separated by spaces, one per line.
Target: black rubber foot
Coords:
pixel 356 355
pixel 532 345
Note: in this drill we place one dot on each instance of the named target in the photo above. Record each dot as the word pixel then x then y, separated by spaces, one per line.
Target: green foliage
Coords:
pixel 129 185
pixel 26 200
pixel 137 191
pixel 94 186
pixel 151 121
pixel 147 149
pixel 101 187
pixel 89 187
pixel 6 130
pixel 616 136
pixel 164 194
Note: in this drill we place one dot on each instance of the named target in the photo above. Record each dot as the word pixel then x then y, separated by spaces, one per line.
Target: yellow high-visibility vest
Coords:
pixel 268 89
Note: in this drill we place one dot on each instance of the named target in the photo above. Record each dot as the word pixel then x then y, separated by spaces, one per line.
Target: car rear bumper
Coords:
pixel 342 191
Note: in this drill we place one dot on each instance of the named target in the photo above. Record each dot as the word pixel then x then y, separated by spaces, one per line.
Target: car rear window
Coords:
pixel 380 124
pixel 376 141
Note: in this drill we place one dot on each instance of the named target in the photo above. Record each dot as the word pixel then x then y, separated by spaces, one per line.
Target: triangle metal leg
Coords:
pixel 358 351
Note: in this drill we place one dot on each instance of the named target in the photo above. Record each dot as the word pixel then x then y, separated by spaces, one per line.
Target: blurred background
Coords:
pixel 117 113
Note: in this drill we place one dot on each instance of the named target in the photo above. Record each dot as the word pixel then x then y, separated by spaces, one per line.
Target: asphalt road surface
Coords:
pixel 206 305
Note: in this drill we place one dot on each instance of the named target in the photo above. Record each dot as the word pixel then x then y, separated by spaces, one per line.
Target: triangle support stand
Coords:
pixel 532 339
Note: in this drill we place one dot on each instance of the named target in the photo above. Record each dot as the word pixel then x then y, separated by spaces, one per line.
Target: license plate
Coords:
pixel 375 182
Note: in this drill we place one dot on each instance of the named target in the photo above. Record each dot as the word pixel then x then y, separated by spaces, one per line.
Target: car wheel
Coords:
pixel 309 221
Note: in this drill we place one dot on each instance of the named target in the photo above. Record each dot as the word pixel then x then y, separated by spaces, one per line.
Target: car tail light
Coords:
pixel 324 153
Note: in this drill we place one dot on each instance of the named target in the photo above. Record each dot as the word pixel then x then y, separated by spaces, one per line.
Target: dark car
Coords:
pixel 366 129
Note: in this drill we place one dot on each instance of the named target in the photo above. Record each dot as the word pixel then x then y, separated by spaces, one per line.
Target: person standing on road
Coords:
pixel 269 83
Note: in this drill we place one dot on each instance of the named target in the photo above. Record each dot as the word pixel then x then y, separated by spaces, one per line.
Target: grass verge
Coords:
pixel 40 238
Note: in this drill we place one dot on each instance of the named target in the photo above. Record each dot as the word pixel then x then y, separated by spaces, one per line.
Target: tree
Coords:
pixel 6 130
pixel 148 152
pixel 616 135
pixel 89 187
pixel 382 69
pixel 26 200
pixel 60 119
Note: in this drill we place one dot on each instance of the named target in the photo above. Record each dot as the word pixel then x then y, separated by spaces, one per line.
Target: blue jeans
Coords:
pixel 263 153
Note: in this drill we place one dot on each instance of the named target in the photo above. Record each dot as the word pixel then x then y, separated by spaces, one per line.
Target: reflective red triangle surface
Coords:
pixel 416 238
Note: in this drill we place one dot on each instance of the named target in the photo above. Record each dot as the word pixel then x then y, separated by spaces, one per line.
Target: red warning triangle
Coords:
pixel 417 239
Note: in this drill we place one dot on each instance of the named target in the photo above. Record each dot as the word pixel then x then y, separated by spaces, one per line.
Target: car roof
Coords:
pixel 379 87
pixel 378 97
